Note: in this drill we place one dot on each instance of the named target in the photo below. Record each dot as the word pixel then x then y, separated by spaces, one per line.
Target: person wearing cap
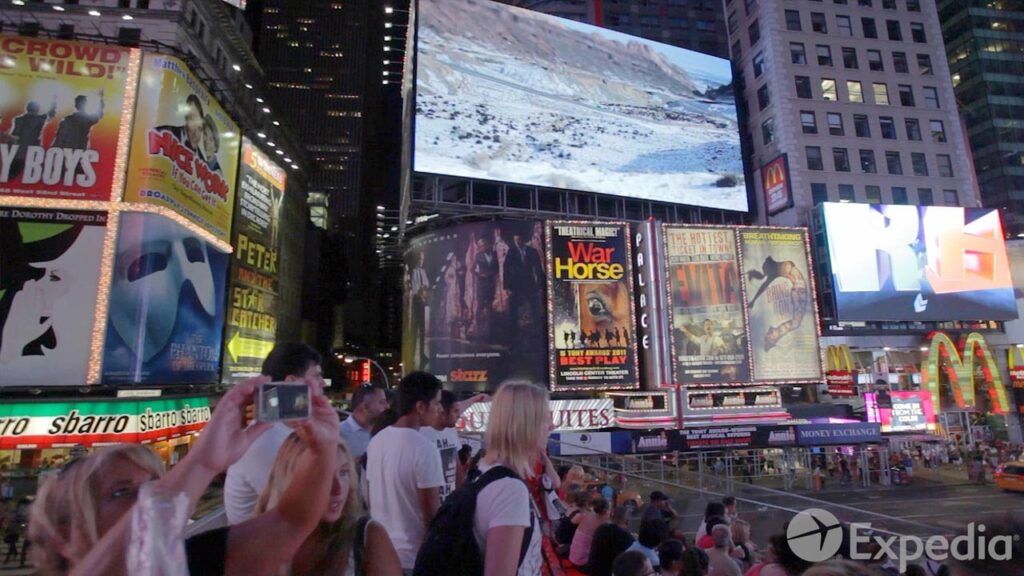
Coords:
pixel 660 509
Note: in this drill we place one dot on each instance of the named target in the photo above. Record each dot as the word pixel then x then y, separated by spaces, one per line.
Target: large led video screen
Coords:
pixel 918 263
pixel 508 94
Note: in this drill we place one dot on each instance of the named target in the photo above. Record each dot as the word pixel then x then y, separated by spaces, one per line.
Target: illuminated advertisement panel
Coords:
pixel 590 299
pixel 709 339
pixel 918 263
pixel 912 411
pixel 778 194
pixel 60 116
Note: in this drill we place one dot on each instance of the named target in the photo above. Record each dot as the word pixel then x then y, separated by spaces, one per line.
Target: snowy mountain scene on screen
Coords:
pixel 512 95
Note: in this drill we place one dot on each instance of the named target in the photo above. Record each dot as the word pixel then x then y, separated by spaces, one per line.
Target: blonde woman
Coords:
pixel 506 523
pixel 344 543
pixel 575 477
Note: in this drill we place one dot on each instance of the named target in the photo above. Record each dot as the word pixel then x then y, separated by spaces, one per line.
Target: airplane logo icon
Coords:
pixel 815 535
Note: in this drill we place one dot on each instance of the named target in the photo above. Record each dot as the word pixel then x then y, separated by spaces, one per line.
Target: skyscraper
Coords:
pixel 985 43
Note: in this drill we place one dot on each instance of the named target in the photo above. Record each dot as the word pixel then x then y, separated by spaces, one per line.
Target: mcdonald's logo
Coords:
pixel 839 371
pixel 775 183
pixel 838 358
pixel 1015 363
pixel 960 370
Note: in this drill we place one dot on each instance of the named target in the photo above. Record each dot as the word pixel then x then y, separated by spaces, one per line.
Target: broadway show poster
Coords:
pixel 251 316
pixel 184 153
pixel 591 306
pixel 783 325
pixel 474 304
pixel 166 320
pixel 61 104
pixel 49 277
pixel 709 341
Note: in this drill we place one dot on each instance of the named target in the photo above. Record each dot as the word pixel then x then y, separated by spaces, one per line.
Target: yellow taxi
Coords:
pixel 1010 476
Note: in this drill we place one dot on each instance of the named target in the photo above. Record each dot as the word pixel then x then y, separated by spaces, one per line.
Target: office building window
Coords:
pixel 793 20
pixel 873 194
pixel 850 58
pixel 860 126
pixel 846 193
pixel 754 32
pixel 797 54
pixel 881 93
pixel 803 87
pixel 931 97
pixel 888 126
pixel 762 97
pixel 917 33
pixel 875 61
pixel 808 122
pixel 844 26
pixel 913 5
pixel 835 124
pixel 868 27
pixel 913 128
pixel 924 197
pixel 867 161
pixel 758 61
pixel 899 195
pixel 893 163
pixel 824 55
pixel 951 198
pixel 814 161
pixel 889 4
pixel 818 23
pixel 751 5
pixel 864 3
pixel 906 95
pixel 924 64
pixel 945 164
pixel 819 193
pixel 768 131
pixel 736 52
pixel 732 21
pixel 938 130
pixel 919 163
pixel 828 89
pixel 899 62
pixel 893 28
pixel 841 159
pixel 854 89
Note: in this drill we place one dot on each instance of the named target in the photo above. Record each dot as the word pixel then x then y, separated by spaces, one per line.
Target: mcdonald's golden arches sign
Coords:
pixel 840 371
pixel 775 182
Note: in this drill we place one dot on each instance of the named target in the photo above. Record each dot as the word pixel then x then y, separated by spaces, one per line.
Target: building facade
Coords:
pixel 857 95
pixel 985 46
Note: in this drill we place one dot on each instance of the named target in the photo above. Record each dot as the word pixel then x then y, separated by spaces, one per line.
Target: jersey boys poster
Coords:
pixel 49 274
pixel 780 304
pixel 184 152
pixel 709 338
pixel 592 326
pixel 474 304
pixel 252 311
pixel 166 305
pixel 61 104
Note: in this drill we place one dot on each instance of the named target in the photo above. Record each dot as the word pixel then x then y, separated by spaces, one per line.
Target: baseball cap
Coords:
pixel 658 496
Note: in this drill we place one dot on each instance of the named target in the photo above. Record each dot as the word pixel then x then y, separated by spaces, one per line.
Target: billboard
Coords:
pixel 566 415
pixel 709 339
pixel 778 193
pixel 49 278
pixel 552 102
pixel 252 294
pixel 166 319
pixel 918 263
pixel 910 411
pixel 61 106
pixel 779 302
pixel 474 311
pixel 184 152
pixel 590 302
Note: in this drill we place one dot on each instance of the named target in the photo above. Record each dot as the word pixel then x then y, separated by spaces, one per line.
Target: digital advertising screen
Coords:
pixel 474 311
pixel 918 263
pixel 61 105
pixel 709 337
pixel 592 318
pixel 545 101
pixel 911 411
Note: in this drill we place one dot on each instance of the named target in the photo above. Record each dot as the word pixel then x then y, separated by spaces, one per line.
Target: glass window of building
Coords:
pixel 758 61
pixel 835 124
pixel 875 61
pixel 819 193
pixel 754 32
pixel 931 97
pixel 793 20
pixel 873 194
pixel 762 97
pixel 868 27
pixel 732 21
pixel 913 128
pixel 899 62
pixel 889 4
pixel 814 161
pixel 917 33
pixel 864 3
pixel 803 86
pixel 818 22
pixel 867 161
pixel 861 127
pixel 751 6
pixel 888 126
pixel 945 164
pixel 906 95
pixel 846 193
pixel 938 130
pixel 824 55
pixel 844 26
pixel 855 90
pixel 924 64
pixel 768 131
pixel 899 195
pixel 850 58
pixel 913 5
pixel 828 89
pixel 893 163
pixel 841 159
pixel 808 122
pixel 951 198
pixel 892 27
pixel 924 197
pixel 919 163
pixel 881 93
pixel 797 54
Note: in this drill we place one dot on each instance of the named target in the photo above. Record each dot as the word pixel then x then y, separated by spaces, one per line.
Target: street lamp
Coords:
pixel 350 359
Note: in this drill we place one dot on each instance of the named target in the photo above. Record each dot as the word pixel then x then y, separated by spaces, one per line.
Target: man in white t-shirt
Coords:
pixel 443 433
pixel 403 468
pixel 246 478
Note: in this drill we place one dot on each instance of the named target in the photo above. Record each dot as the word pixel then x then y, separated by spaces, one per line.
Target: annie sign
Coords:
pixel 775 182
pixel 566 415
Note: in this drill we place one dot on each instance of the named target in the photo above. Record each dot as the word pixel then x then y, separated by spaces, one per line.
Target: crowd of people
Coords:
pixel 391 491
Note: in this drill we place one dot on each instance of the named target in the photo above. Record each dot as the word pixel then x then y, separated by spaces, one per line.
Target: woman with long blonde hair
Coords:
pixel 345 542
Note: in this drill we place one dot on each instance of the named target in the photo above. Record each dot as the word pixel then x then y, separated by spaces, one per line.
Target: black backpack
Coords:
pixel 565 529
pixel 450 546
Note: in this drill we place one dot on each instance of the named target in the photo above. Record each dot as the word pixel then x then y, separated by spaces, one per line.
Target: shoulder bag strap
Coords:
pixel 359 547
